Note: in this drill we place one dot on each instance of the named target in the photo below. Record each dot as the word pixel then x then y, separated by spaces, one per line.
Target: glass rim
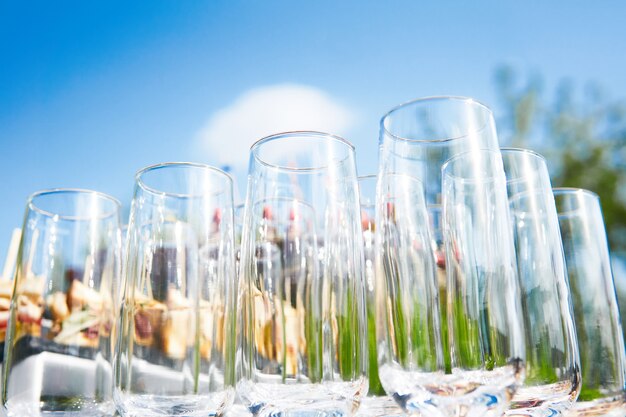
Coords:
pixel 410 177
pixel 562 195
pixel 300 202
pixel 390 174
pixel 442 98
pixel 574 190
pixel 514 149
pixel 366 177
pixel 195 165
pixel 302 134
pixel 32 206
pixel 445 170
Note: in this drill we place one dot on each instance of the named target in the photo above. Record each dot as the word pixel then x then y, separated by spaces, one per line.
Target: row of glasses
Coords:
pixel 555 382
pixel 155 338
pixel 494 297
pixel 172 349
pixel 319 286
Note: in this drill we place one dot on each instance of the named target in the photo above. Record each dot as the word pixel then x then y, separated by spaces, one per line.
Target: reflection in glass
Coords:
pixel 59 345
pixel 598 327
pixel 377 403
pixel 553 365
pixel 303 347
pixel 175 352
pixel 417 138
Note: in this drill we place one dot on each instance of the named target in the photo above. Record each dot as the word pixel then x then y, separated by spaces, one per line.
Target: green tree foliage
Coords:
pixel 582 134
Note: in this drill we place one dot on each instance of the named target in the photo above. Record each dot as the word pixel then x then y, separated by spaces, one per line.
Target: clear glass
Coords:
pixel 303 345
pixel 175 353
pixel 484 315
pixel 600 339
pixel 59 345
pixel 377 403
pixel 409 348
pixel 416 138
pixel 553 365
pixel 6 287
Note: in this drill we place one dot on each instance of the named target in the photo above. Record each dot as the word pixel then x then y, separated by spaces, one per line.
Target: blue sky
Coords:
pixel 92 91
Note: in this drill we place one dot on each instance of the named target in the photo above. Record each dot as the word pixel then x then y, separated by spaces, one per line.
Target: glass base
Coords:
pixel 461 394
pixel 146 405
pixel 15 409
pixel 238 410
pixel 329 399
pixel 605 407
pixel 548 400
pixel 382 406
pixel 534 412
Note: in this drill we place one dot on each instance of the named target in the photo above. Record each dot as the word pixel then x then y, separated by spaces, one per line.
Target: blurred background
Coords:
pixel 90 92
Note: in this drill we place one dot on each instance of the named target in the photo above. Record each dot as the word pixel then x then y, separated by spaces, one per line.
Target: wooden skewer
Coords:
pixel 11 258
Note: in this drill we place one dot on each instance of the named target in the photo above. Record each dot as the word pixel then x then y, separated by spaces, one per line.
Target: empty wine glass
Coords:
pixel 59 345
pixel 303 345
pixel 484 315
pixel 416 138
pixel 175 353
pixel 553 365
pixel 377 403
pixel 596 315
pixel 408 337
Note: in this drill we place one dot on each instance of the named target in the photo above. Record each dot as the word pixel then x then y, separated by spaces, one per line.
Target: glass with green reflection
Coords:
pixel 553 365
pixel 487 350
pixel 596 314
pixel 417 138
pixel 377 403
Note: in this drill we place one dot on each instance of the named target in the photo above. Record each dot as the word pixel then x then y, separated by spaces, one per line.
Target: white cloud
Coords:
pixel 229 133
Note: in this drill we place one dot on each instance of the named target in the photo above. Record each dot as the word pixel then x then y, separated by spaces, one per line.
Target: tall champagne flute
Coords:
pixel 175 352
pixel 303 345
pixel 416 138
pixel 600 339
pixel 553 365
pixel 377 403
pixel 59 345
